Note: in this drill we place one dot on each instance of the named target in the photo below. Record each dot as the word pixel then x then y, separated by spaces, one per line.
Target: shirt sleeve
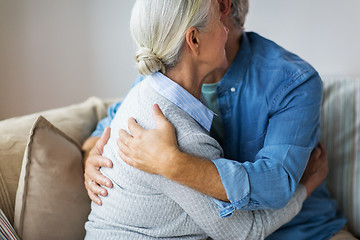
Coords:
pixel 105 122
pixel 292 133
pixel 242 224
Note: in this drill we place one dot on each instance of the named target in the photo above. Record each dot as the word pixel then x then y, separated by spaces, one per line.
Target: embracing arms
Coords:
pixel 140 148
pixel 95 161
pixel 185 172
pixel 242 224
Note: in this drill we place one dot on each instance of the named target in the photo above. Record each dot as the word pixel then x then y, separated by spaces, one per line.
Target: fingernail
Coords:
pixel 109 165
pixel 98 202
pixel 103 192
pixel 156 106
pixel 108 184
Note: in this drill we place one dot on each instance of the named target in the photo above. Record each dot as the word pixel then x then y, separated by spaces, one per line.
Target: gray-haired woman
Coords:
pixel 180 43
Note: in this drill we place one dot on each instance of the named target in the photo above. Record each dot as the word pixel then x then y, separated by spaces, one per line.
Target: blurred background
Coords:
pixel 58 52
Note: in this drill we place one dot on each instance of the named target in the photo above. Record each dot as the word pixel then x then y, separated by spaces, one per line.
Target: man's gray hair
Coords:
pixel 239 10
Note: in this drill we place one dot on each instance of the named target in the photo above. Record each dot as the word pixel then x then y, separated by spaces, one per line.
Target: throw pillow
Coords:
pixel 51 200
pixel 6 230
pixel 341 136
pixel 77 121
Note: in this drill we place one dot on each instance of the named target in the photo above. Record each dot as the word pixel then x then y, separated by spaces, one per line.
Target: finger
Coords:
pixel 134 128
pixel 95 175
pixel 315 154
pixel 324 158
pixel 103 140
pixel 94 198
pixel 127 160
pixel 321 146
pixel 96 189
pixel 122 146
pixel 124 138
pixel 97 161
pixel 323 149
pixel 159 117
pixel 92 172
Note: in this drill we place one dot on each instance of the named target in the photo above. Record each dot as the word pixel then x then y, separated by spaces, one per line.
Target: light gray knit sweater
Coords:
pixel 146 206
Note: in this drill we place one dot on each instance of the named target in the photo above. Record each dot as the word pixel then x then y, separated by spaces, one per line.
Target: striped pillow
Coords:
pixel 7 232
pixel 341 136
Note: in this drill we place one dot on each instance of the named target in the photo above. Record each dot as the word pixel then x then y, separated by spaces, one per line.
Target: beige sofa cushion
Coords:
pixel 77 121
pixel 51 195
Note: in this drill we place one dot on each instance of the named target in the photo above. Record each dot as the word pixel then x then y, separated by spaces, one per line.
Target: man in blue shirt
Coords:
pixel 268 106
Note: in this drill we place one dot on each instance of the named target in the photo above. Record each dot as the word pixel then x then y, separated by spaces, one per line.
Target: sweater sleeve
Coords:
pixel 203 210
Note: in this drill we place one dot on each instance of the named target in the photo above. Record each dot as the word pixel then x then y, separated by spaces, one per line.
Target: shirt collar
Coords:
pixel 183 99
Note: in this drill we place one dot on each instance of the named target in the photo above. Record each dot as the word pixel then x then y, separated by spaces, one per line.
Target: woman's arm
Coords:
pixel 92 154
pixel 93 160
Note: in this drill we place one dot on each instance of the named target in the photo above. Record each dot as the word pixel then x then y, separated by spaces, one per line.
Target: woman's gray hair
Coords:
pixel 239 10
pixel 159 28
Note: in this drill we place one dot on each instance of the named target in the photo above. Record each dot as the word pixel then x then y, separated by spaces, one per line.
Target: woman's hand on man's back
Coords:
pixel 93 161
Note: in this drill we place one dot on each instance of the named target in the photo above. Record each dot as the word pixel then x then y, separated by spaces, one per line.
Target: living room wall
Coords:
pixel 59 52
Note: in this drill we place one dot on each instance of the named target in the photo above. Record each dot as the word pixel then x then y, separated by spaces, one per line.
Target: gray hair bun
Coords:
pixel 147 62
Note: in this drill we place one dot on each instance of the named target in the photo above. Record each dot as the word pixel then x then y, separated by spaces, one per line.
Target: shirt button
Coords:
pixel 232 89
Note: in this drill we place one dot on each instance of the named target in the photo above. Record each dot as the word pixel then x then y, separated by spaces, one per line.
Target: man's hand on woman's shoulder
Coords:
pixel 152 151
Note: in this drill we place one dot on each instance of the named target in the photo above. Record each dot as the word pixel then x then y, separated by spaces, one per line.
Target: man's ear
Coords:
pixel 192 40
pixel 225 7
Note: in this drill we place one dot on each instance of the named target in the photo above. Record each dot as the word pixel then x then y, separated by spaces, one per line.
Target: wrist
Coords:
pixel 309 188
pixel 89 144
pixel 174 162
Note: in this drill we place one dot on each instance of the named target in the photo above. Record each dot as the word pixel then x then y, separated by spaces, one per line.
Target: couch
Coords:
pixel 41 171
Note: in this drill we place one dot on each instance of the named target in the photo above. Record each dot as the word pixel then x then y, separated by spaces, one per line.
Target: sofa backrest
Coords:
pixel 340 127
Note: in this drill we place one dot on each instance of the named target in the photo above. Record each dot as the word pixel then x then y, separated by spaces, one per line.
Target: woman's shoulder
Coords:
pixel 200 144
pixel 192 137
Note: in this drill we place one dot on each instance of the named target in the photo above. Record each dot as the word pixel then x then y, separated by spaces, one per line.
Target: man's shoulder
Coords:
pixel 280 70
pixel 269 56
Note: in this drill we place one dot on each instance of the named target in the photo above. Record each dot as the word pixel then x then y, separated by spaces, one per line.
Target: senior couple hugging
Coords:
pixel 218 139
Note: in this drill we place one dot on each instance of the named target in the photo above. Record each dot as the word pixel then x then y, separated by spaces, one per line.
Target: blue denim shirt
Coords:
pixel 270 101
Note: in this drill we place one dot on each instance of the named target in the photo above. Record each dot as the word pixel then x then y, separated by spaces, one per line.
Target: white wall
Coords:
pixel 57 52
pixel 326 33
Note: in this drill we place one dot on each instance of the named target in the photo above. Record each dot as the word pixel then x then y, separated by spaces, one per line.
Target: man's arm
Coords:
pixel 281 162
pixel 242 224
pixel 292 133
pixel 146 151
pixel 164 158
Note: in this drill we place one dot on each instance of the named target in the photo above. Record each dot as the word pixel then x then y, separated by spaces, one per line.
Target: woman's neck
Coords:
pixel 189 77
